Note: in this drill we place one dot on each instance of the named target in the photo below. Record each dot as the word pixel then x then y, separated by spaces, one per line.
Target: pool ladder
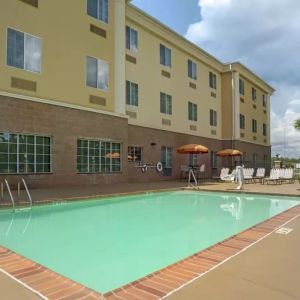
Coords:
pixel 19 192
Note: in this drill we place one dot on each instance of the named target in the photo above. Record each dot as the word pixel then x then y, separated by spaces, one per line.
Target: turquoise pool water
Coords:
pixel 107 243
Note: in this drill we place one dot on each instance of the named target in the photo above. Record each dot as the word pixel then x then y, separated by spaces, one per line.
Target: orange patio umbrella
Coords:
pixel 229 152
pixel 192 149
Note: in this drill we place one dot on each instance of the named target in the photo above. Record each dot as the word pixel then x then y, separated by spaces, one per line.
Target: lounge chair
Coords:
pixel 273 178
pixel 260 174
pixel 228 177
pixel 248 175
pixel 286 175
pixel 184 171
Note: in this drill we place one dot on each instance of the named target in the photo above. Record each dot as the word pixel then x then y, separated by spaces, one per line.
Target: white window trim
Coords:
pixel 25 33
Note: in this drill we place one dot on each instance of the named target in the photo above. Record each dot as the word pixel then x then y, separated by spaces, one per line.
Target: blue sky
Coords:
pixel 262 34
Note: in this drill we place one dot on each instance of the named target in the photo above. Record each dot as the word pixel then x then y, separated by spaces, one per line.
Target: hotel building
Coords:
pixel 90 89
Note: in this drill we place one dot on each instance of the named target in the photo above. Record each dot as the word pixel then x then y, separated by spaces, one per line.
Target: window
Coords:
pixel 165 104
pixel 264 129
pixel 212 80
pixel 23 51
pixel 135 154
pixel 192 111
pixel 98 9
pixel 23 153
pixel 212 117
pixel 165 56
pixel 213 158
pixel 265 160
pixel 253 94
pixel 254 126
pixel 132 93
pixel 192 70
pixel 131 39
pixel 264 100
pixel 96 156
pixel 193 159
pixel 97 73
pixel 255 156
pixel 242 87
pixel 166 160
pixel 242 121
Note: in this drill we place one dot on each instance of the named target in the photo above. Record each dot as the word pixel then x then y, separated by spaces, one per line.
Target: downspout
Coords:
pixel 233 110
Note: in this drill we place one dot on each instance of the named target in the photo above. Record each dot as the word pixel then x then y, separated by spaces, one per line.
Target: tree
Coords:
pixel 297 124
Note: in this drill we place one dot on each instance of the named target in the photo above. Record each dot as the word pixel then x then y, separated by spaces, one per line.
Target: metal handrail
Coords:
pixel 27 191
pixel 10 194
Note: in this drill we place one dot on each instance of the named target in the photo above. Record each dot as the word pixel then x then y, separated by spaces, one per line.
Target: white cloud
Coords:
pixel 264 35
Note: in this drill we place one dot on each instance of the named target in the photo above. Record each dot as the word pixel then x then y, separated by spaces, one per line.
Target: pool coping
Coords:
pixel 158 285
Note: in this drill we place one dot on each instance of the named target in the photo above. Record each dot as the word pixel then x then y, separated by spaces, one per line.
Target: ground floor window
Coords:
pixel 166 160
pixel 135 154
pixel 96 156
pixel 24 153
pixel 193 159
pixel 213 158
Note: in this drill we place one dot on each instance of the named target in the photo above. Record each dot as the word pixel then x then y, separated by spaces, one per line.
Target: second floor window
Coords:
pixel 242 87
pixel 212 80
pixel 254 126
pixel 97 73
pixel 165 56
pixel 253 94
pixel 98 9
pixel 132 93
pixel 212 117
pixel 165 104
pixel 192 69
pixel 23 51
pixel 192 111
pixel 131 39
pixel 242 121
pixel 264 129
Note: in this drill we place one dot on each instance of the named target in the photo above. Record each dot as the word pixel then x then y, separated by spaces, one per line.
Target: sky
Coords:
pixel 262 34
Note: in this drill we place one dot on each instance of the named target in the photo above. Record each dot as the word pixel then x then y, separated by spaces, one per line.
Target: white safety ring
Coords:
pixel 159 167
pixel 144 168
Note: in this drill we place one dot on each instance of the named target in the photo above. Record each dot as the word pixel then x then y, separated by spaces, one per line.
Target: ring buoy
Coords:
pixel 159 167
pixel 144 168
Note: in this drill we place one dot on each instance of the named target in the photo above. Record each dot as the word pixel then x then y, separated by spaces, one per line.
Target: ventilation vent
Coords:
pixel 265 112
pixel 165 74
pixel 23 84
pixel 242 134
pixel 97 100
pixel 131 59
pixel 131 114
pixel 97 30
pixel 254 138
pixel 265 141
pixel 213 132
pixel 242 100
pixel 193 127
pixel 34 3
pixel 193 85
pixel 166 122
pixel 254 106
pixel 214 95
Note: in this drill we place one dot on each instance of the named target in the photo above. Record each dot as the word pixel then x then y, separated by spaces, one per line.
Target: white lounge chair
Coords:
pixel 286 175
pixel 248 175
pixel 228 177
pixel 260 174
pixel 274 177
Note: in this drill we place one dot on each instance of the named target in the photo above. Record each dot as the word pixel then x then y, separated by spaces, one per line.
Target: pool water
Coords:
pixel 104 244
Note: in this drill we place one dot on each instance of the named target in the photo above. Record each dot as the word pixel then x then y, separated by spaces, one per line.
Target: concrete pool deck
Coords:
pixel 241 278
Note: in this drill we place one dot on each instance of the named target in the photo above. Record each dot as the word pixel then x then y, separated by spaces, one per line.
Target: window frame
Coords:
pixel 242 122
pixel 166 100
pixel 213 121
pixel 131 85
pixel 128 46
pixel 212 80
pixel 24 56
pixel 241 87
pixel 134 151
pixel 192 72
pixel 98 10
pixel 35 163
pixel 100 141
pixel 253 94
pixel 264 129
pixel 214 160
pixel 97 79
pixel 164 61
pixel 194 112
pixel 254 126
pixel 167 165
pixel 264 100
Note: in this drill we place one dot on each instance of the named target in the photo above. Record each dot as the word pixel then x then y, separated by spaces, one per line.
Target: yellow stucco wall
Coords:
pixel 64 29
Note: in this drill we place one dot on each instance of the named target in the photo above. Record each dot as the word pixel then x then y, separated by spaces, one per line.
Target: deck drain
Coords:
pixel 284 230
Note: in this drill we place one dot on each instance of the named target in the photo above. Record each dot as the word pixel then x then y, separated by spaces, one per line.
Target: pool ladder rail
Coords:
pixel 19 192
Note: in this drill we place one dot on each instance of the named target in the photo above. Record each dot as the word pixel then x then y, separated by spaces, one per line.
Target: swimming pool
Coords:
pixel 104 244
